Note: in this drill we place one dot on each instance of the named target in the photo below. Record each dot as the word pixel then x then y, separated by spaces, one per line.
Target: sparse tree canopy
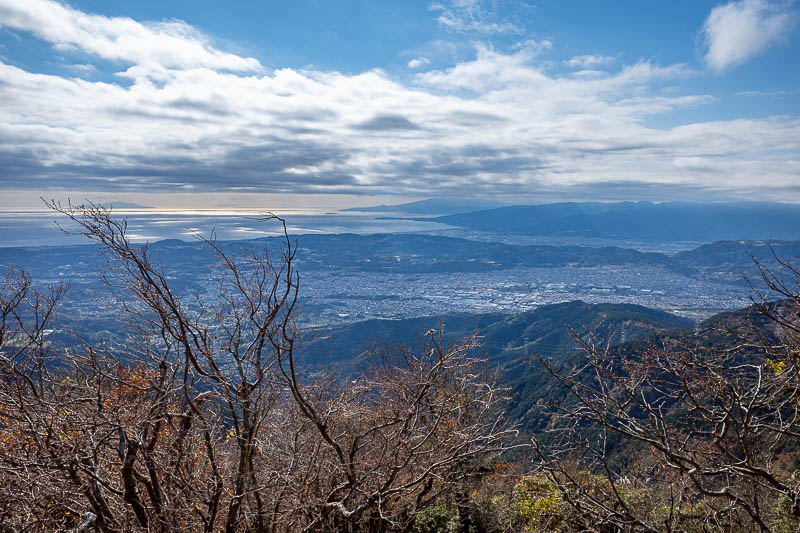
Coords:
pixel 696 435
pixel 202 420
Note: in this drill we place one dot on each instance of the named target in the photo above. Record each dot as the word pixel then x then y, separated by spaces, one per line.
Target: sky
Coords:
pixel 208 104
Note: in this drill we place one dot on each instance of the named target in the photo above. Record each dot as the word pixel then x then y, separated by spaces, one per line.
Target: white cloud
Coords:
pixel 418 62
pixel 769 94
pixel 498 124
pixel 497 71
pixel 471 15
pixel 532 46
pixel 589 61
pixel 738 31
pixel 82 67
pixel 173 44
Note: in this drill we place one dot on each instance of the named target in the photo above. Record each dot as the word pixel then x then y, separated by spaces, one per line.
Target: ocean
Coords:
pixel 38 228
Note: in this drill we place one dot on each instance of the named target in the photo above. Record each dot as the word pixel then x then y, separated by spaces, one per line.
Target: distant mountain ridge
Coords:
pixel 431 206
pixel 646 221
pixel 728 261
pixel 432 253
pixel 725 253
pixel 545 330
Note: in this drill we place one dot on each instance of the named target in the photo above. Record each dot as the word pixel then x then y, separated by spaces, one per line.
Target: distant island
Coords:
pixel 125 205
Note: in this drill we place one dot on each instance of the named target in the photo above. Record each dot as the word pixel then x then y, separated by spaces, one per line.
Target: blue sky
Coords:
pixel 354 102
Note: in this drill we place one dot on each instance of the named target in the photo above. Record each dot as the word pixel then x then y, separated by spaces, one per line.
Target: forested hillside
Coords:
pixel 547 330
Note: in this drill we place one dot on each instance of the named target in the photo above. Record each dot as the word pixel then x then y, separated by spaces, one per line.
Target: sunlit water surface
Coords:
pixel 39 228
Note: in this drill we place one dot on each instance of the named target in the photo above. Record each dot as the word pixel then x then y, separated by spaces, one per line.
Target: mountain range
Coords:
pixel 547 330
pixel 646 221
pixel 728 261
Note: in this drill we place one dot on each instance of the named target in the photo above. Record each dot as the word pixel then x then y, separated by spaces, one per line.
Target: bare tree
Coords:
pixel 161 435
pixel 708 426
pixel 400 435
pixel 201 419
pixel 26 316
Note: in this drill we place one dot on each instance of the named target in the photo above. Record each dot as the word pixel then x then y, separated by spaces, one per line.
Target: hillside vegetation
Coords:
pixel 203 416
pixel 547 330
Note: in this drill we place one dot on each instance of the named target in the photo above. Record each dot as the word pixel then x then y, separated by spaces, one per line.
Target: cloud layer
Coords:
pixel 187 116
pixel 738 31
